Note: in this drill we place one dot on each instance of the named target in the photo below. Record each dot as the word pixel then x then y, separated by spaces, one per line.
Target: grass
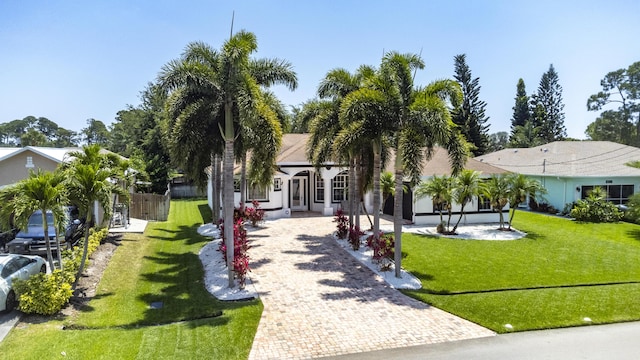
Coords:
pixel 160 266
pixel 559 274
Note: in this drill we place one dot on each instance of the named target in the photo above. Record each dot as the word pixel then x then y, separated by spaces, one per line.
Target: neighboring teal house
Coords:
pixel 570 169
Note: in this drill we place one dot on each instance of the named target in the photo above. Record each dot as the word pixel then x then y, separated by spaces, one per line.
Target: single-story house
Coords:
pixel 569 170
pixel 423 211
pixel 17 162
pixel 298 186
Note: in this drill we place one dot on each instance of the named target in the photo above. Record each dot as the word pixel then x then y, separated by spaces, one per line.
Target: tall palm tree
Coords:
pixel 325 124
pixel 222 90
pixel 413 120
pixel 44 191
pixel 468 186
pixel 521 188
pixel 440 189
pixel 498 193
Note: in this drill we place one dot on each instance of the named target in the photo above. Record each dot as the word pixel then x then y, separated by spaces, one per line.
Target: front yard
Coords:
pixel 560 274
pixel 161 266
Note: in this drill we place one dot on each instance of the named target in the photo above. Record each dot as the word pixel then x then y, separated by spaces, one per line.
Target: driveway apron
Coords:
pixel 320 301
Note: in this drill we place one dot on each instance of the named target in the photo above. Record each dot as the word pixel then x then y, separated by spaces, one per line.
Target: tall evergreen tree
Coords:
pixel 547 107
pixel 521 111
pixel 470 116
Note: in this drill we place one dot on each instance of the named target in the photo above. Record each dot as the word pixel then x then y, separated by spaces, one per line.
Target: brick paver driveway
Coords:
pixel 319 301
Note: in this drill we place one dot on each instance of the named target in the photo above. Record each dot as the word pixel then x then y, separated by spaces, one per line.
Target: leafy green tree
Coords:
pixel 467 186
pixel 498 191
pixel 521 111
pixel 44 191
pixel 520 189
pixel 64 138
pixel 611 126
pixel 214 90
pixel 622 88
pixel 547 105
pixel 33 138
pixel 470 116
pixel 96 132
pixel 498 141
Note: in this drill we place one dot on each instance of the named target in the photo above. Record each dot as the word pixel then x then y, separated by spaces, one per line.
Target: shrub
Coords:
pixel 240 249
pixel 382 246
pixel 44 294
pixel 254 214
pixel 343 224
pixel 596 209
pixel 354 237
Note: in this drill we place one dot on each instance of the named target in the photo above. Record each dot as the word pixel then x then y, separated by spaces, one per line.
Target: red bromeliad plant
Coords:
pixel 354 237
pixel 343 224
pixel 382 246
pixel 240 246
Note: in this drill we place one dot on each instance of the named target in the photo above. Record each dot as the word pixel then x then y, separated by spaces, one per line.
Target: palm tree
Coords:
pixel 44 191
pixel 222 89
pixel 467 187
pixel 92 177
pixel 325 124
pixel 440 189
pixel 421 119
pixel 521 188
pixel 498 192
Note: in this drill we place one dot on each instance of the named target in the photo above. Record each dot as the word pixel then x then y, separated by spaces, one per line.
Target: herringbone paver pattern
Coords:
pixel 319 301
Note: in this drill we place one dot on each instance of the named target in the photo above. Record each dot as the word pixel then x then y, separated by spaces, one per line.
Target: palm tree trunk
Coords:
pixel 215 189
pixel 377 152
pixel 356 192
pixel 351 192
pixel 455 227
pixel 513 213
pixel 46 238
pixel 243 182
pixel 85 245
pixel 397 213
pixel 228 189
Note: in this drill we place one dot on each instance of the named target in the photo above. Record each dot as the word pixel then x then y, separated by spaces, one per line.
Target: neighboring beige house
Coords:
pixel 17 163
pixel 570 169
pixel 297 186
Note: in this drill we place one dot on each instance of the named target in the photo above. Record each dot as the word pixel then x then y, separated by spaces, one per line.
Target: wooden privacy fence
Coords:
pixel 152 207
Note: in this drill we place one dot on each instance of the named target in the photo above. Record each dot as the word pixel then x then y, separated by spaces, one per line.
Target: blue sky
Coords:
pixel 74 60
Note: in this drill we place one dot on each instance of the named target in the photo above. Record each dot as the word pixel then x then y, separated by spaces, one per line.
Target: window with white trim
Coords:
pixel 29 162
pixel 339 185
pixel 484 204
pixel 257 193
pixel 277 184
pixel 319 194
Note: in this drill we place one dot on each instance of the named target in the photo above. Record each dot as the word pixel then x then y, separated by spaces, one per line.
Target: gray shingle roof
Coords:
pixel 568 158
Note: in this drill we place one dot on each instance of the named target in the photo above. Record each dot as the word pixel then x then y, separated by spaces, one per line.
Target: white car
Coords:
pixel 13 267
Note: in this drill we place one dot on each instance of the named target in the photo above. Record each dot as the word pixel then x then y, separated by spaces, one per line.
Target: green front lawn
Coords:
pixel 160 266
pixel 559 274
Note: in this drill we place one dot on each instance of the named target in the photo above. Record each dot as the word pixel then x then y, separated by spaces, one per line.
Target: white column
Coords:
pixel 326 179
pixel 286 206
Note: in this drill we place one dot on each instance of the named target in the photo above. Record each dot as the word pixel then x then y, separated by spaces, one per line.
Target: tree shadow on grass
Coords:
pixel 189 234
pixel 323 254
pixel 634 234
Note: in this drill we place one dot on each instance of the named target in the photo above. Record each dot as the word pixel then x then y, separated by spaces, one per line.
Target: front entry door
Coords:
pixel 298 194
